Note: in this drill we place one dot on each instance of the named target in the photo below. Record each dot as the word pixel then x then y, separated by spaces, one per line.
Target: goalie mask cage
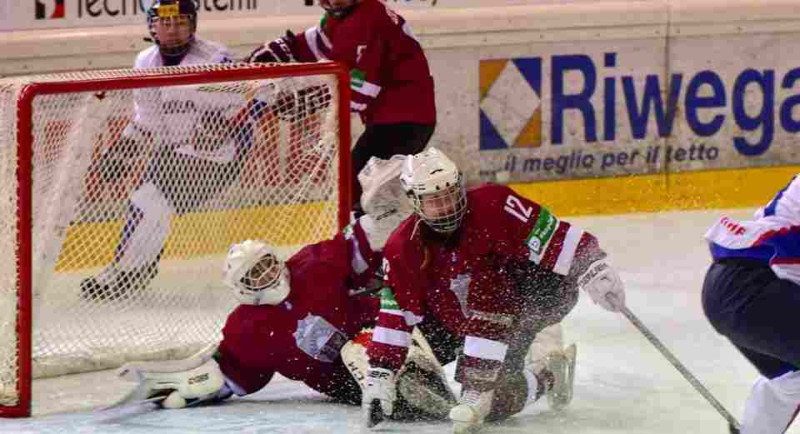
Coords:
pixel 237 151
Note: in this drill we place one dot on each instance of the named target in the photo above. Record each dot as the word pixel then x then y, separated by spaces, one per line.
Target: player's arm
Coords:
pixel 402 307
pixel 562 248
pixel 289 48
pixel 365 76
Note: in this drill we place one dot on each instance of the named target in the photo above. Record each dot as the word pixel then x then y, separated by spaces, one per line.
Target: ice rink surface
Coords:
pixel 623 384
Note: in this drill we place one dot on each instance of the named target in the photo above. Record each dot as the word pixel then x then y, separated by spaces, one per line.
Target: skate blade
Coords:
pixel 560 400
pixel 374 414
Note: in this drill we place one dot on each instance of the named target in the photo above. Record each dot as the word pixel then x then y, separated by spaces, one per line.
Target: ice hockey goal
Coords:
pixel 201 156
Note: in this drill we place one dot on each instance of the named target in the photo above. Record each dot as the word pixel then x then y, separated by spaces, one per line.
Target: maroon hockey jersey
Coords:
pixel 390 79
pixel 301 337
pixel 462 280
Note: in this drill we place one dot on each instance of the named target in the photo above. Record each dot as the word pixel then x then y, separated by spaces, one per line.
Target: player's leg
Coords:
pixel 755 310
pixel 139 249
pixel 166 185
pixel 774 399
pixel 383 141
pixel 529 370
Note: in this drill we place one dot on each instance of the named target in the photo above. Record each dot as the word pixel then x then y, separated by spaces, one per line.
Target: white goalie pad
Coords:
pixel 421 381
pixel 195 378
pixel 383 199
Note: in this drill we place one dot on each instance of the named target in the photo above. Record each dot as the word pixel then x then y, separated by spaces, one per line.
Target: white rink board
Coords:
pixel 623 384
pixel 740 42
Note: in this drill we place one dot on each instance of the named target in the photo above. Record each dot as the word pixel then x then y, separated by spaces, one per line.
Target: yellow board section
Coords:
pixel 93 244
pixel 489 71
pixel 738 188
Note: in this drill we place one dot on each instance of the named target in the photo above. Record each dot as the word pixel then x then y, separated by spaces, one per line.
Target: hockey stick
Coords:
pixel 732 422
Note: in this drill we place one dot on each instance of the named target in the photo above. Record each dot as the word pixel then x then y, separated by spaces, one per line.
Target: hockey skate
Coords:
pixel 562 365
pixel 469 414
pixel 113 284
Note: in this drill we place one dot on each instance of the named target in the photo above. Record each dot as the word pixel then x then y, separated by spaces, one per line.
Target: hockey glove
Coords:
pixel 599 281
pixel 300 104
pixel 378 396
pixel 277 51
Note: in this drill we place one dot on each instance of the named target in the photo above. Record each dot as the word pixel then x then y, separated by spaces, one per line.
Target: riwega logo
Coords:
pixel 50 9
pixel 510 103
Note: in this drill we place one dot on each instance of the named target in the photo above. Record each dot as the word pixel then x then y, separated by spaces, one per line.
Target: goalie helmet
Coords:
pixel 338 8
pixel 172 24
pixel 255 274
pixel 436 189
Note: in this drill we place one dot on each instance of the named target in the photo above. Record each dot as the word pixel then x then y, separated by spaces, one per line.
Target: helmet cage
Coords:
pixel 443 209
pixel 256 275
pixel 264 274
pixel 164 15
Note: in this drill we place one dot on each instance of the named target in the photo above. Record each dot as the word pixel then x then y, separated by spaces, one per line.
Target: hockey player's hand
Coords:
pixel 277 51
pixel 300 104
pixel 378 396
pixel 600 280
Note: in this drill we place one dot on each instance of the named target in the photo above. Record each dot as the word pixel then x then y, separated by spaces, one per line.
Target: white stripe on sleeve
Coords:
pixel 484 348
pixel 568 249
pixel 391 337
pixel 311 38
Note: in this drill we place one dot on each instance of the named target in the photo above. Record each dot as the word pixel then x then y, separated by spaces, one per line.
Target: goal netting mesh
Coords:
pixel 141 180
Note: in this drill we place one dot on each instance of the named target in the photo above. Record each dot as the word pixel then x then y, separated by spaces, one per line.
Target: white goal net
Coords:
pixel 122 191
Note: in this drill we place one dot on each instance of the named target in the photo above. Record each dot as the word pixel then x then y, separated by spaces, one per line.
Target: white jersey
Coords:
pixel 194 119
pixel 772 237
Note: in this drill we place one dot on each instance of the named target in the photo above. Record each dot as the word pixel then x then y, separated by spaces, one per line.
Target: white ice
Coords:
pixel 623 384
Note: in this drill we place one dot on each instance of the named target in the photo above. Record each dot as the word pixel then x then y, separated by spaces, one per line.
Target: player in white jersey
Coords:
pixel 751 295
pixel 199 144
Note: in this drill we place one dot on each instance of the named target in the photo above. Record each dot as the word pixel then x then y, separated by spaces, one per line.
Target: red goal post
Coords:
pixel 245 151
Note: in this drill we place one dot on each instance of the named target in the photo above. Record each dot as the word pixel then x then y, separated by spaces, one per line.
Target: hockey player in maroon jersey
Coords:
pixel 391 85
pixel 485 269
pixel 297 318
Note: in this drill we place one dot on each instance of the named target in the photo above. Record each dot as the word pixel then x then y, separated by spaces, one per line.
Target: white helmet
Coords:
pixel 436 188
pixel 255 274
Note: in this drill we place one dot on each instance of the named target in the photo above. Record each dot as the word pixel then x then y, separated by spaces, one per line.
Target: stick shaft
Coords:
pixel 675 362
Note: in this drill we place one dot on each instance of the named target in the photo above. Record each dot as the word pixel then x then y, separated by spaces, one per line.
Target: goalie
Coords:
pixel 302 319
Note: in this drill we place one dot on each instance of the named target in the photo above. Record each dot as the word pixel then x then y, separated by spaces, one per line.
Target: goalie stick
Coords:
pixel 733 424
pixel 134 398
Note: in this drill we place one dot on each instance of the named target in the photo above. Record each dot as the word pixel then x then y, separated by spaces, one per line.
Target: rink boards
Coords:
pixel 197 235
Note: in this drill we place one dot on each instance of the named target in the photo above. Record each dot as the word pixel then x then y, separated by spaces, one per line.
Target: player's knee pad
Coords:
pixel 149 229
